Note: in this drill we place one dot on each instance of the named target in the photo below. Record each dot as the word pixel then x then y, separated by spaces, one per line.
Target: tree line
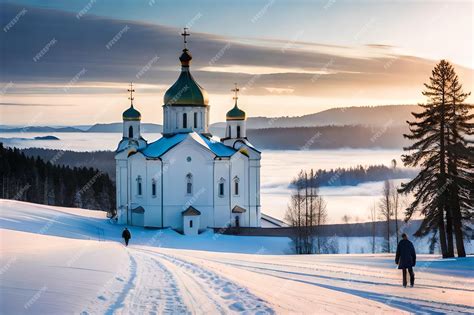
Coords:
pixel 31 179
pixel 352 176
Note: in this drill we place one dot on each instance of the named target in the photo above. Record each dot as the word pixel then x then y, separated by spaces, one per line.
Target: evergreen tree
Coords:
pixel 460 161
pixel 442 153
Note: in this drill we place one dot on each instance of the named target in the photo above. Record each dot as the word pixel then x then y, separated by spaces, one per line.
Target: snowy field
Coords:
pixel 70 261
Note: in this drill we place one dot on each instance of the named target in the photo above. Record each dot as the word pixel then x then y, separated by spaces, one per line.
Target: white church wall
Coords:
pixel 188 157
pixel 174 118
pixel 222 202
pixel 153 201
pixel 135 124
pixel 254 197
pixel 239 171
pixel 137 170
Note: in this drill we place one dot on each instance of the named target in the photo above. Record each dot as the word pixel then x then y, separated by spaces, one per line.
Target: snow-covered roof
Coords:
pixel 238 209
pixel 164 144
pixel 191 211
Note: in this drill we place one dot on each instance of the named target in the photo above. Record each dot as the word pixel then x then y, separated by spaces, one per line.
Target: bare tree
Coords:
pixel 306 212
pixel 385 209
pixel 346 219
pixel 373 218
pixel 321 217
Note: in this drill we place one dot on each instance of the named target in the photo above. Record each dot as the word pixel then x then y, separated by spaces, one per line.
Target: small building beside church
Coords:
pixel 188 179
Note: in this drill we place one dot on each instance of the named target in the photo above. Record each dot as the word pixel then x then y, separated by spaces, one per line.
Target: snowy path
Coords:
pixel 433 294
pixel 203 290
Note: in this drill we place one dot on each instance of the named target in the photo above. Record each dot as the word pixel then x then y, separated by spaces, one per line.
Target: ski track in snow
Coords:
pixel 354 286
pixel 225 296
pixel 151 289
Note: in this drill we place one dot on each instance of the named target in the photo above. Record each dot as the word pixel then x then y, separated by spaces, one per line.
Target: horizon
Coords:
pixel 325 55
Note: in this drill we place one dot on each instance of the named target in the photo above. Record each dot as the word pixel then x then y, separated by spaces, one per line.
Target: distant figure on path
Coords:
pixel 126 236
pixel 406 259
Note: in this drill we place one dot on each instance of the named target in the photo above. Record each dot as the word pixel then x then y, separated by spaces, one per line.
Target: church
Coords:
pixel 187 180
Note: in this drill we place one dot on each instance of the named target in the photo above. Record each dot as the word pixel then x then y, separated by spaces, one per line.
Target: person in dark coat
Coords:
pixel 126 236
pixel 406 259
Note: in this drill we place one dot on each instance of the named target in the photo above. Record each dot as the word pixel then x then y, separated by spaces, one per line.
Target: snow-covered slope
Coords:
pixel 61 261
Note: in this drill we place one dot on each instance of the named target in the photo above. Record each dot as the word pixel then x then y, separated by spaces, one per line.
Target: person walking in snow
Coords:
pixel 126 236
pixel 406 259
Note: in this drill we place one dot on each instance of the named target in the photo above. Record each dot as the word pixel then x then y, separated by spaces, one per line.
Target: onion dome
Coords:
pixel 131 114
pixel 186 91
pixel 235 113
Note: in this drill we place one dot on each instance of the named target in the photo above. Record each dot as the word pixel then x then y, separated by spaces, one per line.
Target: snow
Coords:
pixel 59 261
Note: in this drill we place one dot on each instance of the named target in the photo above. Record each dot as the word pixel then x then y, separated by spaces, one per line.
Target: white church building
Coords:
pixel 187 180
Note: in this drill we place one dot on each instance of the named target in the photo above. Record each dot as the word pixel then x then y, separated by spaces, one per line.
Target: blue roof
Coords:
pixel 164 144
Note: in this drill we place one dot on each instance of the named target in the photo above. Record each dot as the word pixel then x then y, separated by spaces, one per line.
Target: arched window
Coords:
pixel 237 221
pixel 130 132
pixel 238 131
pixel 153 187
pixel 195 120
pixel 191 223
pixel 230 133
pixel 189 184
pixel 185 120
pixel 139 185
pixel 236 185
pixel 221 187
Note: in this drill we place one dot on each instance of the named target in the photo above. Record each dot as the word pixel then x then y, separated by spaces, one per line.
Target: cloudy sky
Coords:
pixel 69 62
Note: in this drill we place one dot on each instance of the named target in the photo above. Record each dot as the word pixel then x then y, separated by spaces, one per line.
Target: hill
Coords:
pixel 375 116
pixel 328 137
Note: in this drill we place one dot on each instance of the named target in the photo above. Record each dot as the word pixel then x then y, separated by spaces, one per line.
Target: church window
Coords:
pixel 221 187
pixel 230 133
pixel 153 187
pixel 130 132
pixel 185 120
pixel 238 131
pixel 195 120
pixel 139 185
pixel 189 184
pixel 236 186
pixel 191 223
pixel 189 159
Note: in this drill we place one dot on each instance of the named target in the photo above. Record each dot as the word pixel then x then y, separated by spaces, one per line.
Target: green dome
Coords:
pixel 131 114
pixel 235 113
pixel 186 91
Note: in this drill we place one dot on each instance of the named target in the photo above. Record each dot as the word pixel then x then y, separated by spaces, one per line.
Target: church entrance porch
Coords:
pixel 191 218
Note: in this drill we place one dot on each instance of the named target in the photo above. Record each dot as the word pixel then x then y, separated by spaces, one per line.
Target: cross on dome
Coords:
pixel 236 92
pixel 184 34
pixel 131 90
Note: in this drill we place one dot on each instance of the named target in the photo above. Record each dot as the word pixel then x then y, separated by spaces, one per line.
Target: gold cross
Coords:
pixel 236 91
pixel 184 34
pixel 131 90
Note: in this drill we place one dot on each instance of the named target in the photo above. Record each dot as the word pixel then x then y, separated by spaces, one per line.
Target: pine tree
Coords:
pixel 442 153
pixel 460 162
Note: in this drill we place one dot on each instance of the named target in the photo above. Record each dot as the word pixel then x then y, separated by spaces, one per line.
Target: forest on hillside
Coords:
pixel 33 179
